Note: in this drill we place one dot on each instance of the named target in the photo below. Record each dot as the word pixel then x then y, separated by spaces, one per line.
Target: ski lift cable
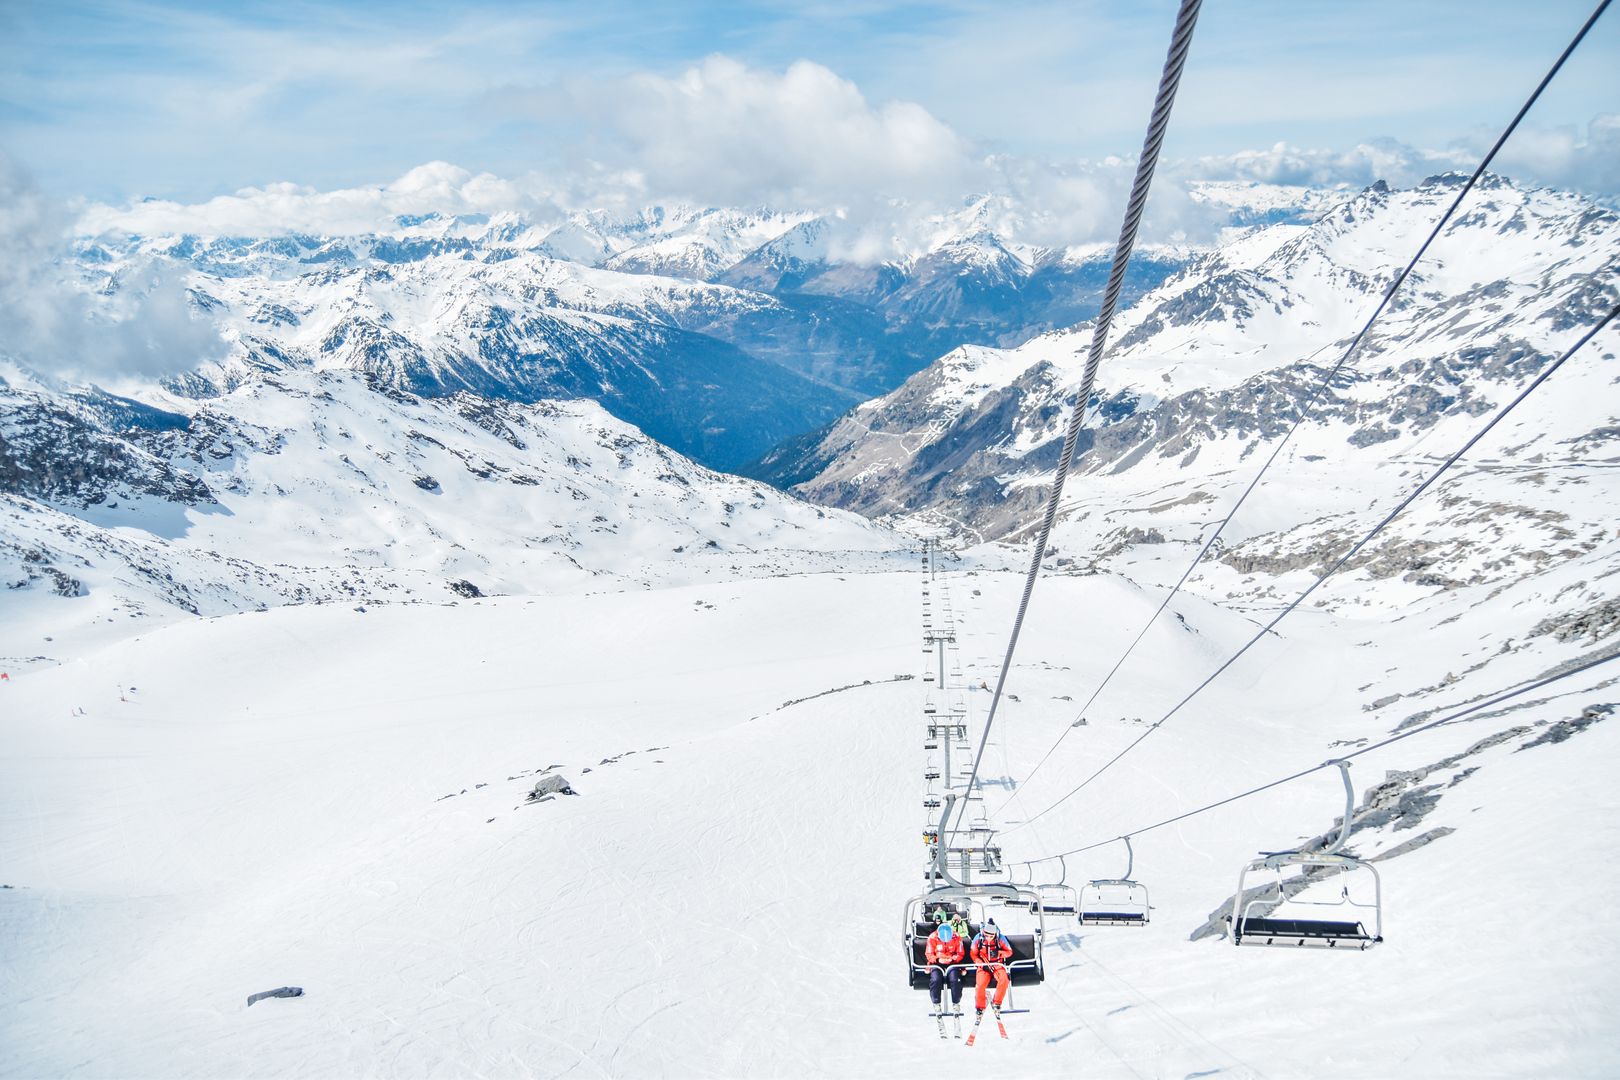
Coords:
pixel 1334 762
pixel 1338 564
pixel 1322 384
pixel 1169 81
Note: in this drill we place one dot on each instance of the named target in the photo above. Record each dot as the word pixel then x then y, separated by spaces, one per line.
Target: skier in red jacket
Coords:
pixel 991 952
pixel 944 952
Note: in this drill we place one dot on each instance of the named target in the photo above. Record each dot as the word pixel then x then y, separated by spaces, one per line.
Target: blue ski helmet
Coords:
pixel 945 932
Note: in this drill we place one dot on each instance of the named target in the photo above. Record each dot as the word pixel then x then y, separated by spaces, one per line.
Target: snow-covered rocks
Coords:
pixel 313 487
pixel 1207 371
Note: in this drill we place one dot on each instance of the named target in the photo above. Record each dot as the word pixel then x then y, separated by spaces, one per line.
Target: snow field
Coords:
pixel 267 808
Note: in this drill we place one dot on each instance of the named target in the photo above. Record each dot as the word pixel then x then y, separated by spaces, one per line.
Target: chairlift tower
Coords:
pixel 935 641
pixel 932 549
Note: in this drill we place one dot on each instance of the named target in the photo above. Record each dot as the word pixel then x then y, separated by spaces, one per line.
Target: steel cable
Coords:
pixel 1169 80
pixel 1322 384
pixel 1452 718
pixel 1349 553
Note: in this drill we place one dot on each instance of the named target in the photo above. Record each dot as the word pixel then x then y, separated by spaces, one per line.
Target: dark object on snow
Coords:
pixel 551 785
pixel 280 991
pixel 427 483
pixel 465 588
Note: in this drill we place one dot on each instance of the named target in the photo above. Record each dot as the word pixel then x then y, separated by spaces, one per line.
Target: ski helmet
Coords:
pixel 992 929
pixel 945 931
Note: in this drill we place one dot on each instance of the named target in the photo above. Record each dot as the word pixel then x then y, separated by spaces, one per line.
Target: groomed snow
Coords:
pixel 266 806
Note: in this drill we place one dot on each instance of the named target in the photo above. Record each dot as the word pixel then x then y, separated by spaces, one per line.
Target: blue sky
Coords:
pixel 117 100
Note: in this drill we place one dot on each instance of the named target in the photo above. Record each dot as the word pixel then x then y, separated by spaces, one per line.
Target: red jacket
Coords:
pixel 985 953
pixel 944 953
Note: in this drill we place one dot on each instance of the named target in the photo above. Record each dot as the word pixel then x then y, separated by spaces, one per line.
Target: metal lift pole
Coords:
pixel 946 701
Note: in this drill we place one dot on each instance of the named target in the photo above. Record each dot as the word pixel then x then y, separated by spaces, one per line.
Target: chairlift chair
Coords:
pixel 1250 928
pixel 1026 966
pixel 1058 897
pixel 1114 901
pixel 968 860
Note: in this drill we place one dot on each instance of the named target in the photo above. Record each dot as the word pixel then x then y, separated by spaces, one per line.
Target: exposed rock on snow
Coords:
pixel 555 784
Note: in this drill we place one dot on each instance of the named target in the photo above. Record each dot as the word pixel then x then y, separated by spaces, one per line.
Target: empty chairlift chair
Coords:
pixel 1059 899
pixel 1115 901
pixel 1056 898
pixel 1275 915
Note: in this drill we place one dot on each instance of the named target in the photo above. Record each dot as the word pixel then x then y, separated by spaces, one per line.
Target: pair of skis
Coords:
pixel 940 1016
pixel 977 1020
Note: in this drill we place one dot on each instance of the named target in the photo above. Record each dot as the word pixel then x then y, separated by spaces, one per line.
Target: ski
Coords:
pixel 939 1017
pixel 999 1025
pixel 956 1018
pixel 974 1034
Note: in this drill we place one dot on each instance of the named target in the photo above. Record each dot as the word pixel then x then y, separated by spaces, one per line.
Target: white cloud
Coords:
pixel 284 207
pixel 1568 157
pixel 1587 161
pixel 721 133
pixel 53 324
pixel 1360 165
pixel 725 133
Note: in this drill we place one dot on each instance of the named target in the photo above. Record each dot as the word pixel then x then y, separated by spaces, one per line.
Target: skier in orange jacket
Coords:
pixel 991 952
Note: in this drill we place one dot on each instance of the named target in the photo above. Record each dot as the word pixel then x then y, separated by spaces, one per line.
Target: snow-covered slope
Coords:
pixel 1213 365
pixel 307 486
pixel 335 800
pixel 651 350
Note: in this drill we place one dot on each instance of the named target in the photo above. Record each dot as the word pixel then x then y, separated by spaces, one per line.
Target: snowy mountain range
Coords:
pixel 720 332
pixel 1214 364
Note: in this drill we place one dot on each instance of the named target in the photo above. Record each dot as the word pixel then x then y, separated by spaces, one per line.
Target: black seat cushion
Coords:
pixel 1310 928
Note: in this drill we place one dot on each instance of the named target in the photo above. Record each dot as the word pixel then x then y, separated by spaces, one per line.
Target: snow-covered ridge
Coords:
pixel 1209 367
pixel 721 332
pixel 300 487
